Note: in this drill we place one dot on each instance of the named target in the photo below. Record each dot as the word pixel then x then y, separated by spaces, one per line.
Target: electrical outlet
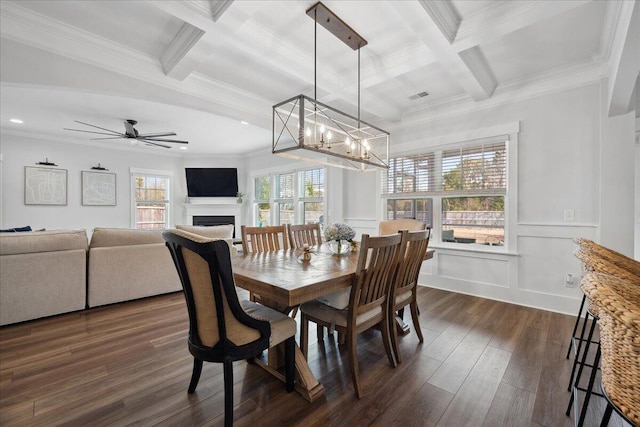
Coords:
pixel 569 215
pixel 570 281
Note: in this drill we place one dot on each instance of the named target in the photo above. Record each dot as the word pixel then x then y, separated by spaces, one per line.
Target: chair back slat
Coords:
pixel 415 245
pixel 302 234
pixel 264 239
pixel 376 263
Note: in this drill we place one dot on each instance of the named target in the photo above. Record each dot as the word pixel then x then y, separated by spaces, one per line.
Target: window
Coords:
pixel 284 193
pixel 292 198
pixel 312 196
pixel 151 200
pixel 466 185
pixel 262 198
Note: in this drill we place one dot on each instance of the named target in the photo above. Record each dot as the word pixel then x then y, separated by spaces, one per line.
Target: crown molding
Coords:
pixel 444 15
pixel 558 80
pixel 218 7
pixel 610 22
pixel 180 49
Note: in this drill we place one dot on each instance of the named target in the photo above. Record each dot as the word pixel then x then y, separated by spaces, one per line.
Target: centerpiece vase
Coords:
pixel 339 247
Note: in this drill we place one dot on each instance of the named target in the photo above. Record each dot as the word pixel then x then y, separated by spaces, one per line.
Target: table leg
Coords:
pixel 306 383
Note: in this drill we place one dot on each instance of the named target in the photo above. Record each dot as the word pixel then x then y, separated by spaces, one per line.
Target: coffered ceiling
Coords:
pixel 200 67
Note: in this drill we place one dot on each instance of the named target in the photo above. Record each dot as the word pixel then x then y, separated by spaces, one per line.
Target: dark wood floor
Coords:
pixel 483 363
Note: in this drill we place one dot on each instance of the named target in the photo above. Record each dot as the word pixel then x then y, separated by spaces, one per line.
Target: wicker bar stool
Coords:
pixel 619 304
pixel 591 262
pixel 630 265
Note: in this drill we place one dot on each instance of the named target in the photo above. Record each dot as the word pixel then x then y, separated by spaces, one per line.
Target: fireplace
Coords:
pixel 214 211
pixel 210 220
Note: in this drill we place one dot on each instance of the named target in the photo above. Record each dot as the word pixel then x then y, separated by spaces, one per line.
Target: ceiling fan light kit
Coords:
pixel 153 139
pixel 306 129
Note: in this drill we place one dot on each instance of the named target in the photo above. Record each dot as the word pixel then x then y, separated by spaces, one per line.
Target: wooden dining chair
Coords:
pixel 302 234
pixel 223 329
pixel 404 288
pixel 264 239
pixel 393 226
pixel 368 302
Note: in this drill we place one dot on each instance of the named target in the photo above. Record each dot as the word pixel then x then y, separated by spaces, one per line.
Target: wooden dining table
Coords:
pixel 282 280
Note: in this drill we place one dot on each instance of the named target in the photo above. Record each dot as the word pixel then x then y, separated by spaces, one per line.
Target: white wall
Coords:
pixel 18 152
pixel 569 155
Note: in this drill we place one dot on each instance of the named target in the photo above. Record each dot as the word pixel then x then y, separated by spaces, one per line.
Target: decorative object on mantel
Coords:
pixel 99 168
pixel 46 163
pixel 339 238
pixel 306 129
pixel 98 188
pixel 45 186
pixel 131 133
pixel 239 195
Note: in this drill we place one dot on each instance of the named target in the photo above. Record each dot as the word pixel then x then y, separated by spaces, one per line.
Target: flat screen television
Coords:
pixel 212 182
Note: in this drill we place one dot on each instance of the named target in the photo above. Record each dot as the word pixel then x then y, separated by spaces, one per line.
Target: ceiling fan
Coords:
pixel 131 133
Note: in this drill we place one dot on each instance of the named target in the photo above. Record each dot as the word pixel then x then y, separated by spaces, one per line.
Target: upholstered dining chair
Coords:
pixel 368 301
pixel 223 329
pixel 302 234
pixel 405 285
pixel 264 239
pixel 395 225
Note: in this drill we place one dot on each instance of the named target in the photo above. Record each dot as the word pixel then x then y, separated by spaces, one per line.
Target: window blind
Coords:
pixel 477 168
pixel 285 186
pixel 312 183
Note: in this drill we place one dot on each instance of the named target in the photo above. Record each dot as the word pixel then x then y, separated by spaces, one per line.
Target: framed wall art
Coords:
pixel 98 188
pixel 45 186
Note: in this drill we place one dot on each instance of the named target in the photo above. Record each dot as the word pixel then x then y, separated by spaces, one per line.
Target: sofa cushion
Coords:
pixel 109 237
pixel 42 241
pixel 215 231
pixel 16 229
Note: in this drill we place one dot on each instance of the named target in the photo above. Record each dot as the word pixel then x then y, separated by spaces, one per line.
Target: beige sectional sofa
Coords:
pixel 42 273
pixel 127 264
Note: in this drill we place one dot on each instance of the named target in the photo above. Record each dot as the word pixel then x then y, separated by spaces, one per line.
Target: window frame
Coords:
pixel 151 173
pixel 507 133
pixel 297 200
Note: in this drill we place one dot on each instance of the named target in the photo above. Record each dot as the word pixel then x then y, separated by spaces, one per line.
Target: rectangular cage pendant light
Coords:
pixel 306 129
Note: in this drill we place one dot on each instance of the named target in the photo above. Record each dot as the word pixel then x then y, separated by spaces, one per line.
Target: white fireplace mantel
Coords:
pixel 226 206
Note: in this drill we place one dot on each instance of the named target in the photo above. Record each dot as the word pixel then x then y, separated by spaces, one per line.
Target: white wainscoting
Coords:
pixel 363 226
pixel 534 277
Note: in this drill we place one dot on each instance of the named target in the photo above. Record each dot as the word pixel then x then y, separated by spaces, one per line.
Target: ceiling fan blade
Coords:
pixel 112 137
pixel 94 126
pixel 97 133
pixel 177 141
pixel 157 145
pixel 155 135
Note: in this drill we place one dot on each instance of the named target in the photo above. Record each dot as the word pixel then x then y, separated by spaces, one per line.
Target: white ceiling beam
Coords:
pixel 492 23
pixel 194 43
pixel 624 64
pixel 469 67
pixel 218 7
pixel 185 53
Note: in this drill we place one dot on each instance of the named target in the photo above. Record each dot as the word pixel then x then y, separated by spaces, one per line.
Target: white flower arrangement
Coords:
pixel 339 231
